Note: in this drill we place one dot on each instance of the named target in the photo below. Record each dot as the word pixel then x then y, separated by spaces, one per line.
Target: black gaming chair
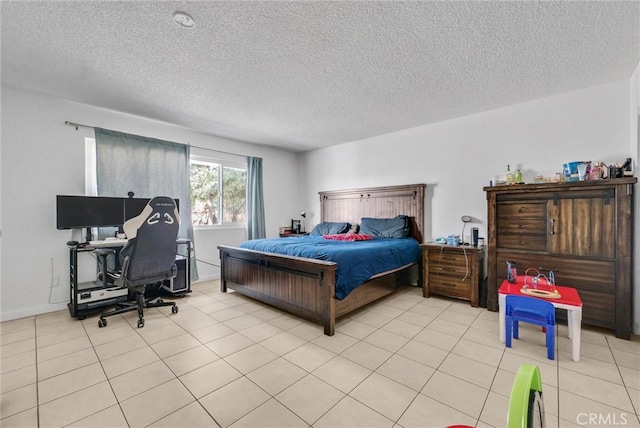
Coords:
pixel 149 256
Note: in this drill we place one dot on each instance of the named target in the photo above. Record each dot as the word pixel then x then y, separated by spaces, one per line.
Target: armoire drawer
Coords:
pixel 583 274
pixel 522 225
pixel 596 308
pixel 523 242
pixel 522 209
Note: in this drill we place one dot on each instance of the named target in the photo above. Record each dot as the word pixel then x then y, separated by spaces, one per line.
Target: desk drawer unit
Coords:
pixel 452 271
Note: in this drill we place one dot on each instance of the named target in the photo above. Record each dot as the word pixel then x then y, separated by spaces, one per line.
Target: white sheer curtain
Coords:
pixel 147 167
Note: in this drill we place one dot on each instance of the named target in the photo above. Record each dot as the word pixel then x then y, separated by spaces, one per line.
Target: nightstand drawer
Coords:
pixel 448 258
pixel 450 286
pixel 456 269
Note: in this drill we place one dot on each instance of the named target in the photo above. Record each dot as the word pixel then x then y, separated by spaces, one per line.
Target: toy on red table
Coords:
pixel 540 285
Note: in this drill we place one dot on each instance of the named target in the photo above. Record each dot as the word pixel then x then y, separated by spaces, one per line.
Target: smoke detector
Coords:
pixel 183 19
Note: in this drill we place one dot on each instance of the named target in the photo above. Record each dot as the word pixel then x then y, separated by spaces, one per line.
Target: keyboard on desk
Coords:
pixel 108 243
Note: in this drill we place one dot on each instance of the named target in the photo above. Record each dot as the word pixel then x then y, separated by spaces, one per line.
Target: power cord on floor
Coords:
pixel 207 263
pixel 51 286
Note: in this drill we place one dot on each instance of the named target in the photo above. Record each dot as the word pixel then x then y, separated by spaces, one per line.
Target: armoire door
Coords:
pixel 582 225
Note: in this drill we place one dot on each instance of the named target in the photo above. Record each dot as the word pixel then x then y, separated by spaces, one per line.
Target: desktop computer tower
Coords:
pixel 182 281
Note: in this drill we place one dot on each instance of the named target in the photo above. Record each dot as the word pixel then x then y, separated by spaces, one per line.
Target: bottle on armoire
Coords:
pixel 509 178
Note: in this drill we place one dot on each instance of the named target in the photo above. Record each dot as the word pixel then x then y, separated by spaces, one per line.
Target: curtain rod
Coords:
pixel 77 125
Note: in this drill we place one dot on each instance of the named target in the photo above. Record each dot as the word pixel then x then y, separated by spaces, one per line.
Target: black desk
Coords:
pixel 87 298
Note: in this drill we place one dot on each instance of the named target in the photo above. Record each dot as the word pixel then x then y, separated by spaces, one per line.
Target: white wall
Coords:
pixel 43 157
pixel 456 158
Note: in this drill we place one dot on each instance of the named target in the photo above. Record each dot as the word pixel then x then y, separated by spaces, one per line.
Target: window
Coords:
pixel 218 192
pixel 218 187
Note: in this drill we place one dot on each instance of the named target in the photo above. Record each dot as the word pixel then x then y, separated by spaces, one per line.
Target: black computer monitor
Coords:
pixel 85 212
pixel 76 212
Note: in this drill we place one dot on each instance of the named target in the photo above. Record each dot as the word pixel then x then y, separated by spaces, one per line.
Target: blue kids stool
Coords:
pixel 532 311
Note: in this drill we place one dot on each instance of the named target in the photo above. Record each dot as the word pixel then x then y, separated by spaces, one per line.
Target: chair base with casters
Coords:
pixel 532 311
pixel 138 288
pixel 139 305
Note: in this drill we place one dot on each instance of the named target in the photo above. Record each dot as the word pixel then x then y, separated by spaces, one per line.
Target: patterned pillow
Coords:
pixel 348 237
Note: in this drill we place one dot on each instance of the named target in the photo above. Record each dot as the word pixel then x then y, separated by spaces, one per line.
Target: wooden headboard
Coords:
pixel 376 202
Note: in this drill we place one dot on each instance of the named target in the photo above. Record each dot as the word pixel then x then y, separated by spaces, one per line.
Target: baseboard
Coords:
pixel 40 310
pixel 206 278
pixel 29 312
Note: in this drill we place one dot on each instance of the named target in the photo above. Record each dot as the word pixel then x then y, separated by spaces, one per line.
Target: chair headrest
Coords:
pixel 163 209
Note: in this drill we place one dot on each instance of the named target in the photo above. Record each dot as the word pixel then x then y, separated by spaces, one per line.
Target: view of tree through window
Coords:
pixel 218 194
pixel 234 195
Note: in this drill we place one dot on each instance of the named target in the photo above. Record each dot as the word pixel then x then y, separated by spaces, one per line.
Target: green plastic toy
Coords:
pixel 526 408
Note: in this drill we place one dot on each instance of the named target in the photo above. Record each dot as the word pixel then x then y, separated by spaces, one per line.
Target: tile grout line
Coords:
pixel 35 338
pixel 637 411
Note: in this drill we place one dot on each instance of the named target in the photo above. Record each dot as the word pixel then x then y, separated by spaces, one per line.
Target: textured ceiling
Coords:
pixel 303 75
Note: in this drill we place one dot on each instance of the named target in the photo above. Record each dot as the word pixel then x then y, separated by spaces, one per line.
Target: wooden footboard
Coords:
pixel 304 287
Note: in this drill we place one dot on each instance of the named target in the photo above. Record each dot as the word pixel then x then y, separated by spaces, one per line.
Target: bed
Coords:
pixel 306 287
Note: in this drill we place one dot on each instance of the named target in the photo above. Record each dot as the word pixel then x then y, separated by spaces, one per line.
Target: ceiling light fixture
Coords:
pixel 183 19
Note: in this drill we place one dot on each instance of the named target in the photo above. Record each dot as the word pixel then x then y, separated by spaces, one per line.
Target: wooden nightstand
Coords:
pixel 452 271
pixel 289 235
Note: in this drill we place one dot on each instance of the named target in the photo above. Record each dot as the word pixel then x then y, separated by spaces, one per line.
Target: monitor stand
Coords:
pixel 89 236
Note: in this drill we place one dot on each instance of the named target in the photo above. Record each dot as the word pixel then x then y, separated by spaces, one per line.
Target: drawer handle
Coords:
pixel 522 209
pixel 542 268
pixel 521 226
pixel 553 227
pixel 521 242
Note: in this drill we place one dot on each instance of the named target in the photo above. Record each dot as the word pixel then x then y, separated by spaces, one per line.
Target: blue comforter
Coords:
pixel 357 261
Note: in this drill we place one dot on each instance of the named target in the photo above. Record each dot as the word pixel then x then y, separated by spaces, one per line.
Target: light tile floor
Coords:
pixel 226 360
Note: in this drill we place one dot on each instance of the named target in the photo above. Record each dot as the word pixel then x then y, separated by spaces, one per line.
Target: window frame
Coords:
pixel 223 163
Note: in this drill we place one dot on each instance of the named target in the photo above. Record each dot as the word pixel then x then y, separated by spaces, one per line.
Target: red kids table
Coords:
pixel 568 300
